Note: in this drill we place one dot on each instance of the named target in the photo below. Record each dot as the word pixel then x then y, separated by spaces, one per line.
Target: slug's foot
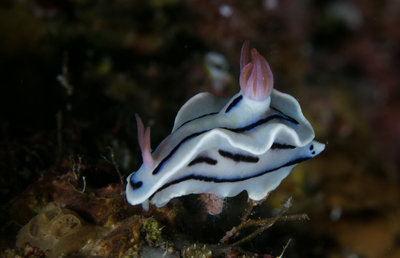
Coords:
pixel 212 203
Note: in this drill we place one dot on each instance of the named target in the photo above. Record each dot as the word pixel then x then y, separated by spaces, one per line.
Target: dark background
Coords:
pixel 340 59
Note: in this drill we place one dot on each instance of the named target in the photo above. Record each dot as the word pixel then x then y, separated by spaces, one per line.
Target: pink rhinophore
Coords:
pixel 144 142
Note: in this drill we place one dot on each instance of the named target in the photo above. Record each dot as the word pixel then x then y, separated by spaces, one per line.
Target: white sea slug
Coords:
pixel 222 147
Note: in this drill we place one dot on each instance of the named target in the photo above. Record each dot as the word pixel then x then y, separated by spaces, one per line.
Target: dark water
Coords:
pixel 74 73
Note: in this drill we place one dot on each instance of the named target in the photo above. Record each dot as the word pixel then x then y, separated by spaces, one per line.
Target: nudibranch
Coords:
pixel 218 146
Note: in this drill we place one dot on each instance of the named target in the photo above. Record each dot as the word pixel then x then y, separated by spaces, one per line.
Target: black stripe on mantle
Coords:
pixel 237 157
pixel 226 180
pixel 190 120
pixel 234 103
pixel 236 130
pixel 203 159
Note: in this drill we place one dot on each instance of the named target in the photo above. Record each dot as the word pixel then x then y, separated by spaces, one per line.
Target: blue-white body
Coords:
pixel 224 147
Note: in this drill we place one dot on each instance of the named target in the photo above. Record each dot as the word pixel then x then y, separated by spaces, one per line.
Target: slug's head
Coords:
pixel 256 79
pixel 136 190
